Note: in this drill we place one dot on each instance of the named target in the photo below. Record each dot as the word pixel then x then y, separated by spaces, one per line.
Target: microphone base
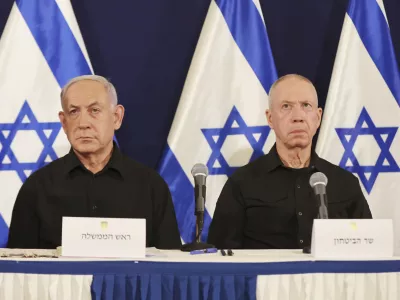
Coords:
pixel 196 246
pixel 307 250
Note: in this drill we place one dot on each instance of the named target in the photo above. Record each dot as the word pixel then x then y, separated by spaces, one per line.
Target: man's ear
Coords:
pixel 319 114
pixel 118 116
pixel 63 121
pixel 269 118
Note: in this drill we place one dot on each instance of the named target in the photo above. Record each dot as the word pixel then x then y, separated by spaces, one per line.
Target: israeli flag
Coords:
pixel 220 120
pixel 362 114
pixel 40 50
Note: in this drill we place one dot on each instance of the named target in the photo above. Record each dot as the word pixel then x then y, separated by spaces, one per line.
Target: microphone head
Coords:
pixel 199 169
pixel 318 178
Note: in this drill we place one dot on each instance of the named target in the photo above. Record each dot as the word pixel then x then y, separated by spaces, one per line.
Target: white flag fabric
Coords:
pixel 41 48
pixel 362 112
pixel 220 120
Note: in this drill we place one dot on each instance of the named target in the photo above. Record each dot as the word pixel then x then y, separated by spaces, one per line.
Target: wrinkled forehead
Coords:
pixel 86 91
pixel 294 90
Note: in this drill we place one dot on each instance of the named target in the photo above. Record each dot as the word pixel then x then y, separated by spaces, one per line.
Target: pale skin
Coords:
pixel 295 117
pixel 89 118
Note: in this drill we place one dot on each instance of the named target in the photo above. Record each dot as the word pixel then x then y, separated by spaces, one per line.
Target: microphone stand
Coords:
pixel 197 244
pixel 323 206
pixel 322 201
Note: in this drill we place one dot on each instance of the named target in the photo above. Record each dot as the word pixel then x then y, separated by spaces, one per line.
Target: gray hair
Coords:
pixel 104 81
pixel 280 79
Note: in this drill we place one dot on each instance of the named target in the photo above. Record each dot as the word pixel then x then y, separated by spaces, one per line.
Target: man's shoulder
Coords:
pixel 132 169
pixel 44 173
pixel 251 170
pixel 339 174
pixel 259 166
pixel 47 170
pixel 135 168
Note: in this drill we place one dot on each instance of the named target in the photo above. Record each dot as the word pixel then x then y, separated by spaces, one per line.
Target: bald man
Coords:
pixel 269 204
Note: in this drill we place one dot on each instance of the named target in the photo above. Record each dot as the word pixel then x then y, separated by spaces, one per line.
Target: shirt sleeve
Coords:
pixel 227 226
pixel 166 233
pixel 359 208
pixel 24 227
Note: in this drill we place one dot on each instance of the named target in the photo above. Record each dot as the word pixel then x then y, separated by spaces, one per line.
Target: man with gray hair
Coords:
pixel 269 203
pixel 94 179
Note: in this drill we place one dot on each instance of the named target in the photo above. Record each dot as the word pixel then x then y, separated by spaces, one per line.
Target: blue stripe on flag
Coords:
pixel 183 196
pixel 374 32
pixel 249 32
pixel 3 232
pixel 55 39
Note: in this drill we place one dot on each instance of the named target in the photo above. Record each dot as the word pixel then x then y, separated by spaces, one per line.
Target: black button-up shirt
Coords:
pixel 123 189
pixel 265 205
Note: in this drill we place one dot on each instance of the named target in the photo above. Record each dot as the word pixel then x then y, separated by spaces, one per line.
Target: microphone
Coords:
pixel 200 173
pixel 318 182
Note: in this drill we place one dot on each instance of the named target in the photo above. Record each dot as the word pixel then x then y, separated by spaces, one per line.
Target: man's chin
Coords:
pixel 299 143
pixel 85 146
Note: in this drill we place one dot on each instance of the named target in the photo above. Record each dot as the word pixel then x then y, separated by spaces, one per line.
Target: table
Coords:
pixel 249 274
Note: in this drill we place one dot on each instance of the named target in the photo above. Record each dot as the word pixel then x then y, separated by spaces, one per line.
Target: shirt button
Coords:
pixel 300 213
pixel 301 241
pixel 94 207
pixel 298 186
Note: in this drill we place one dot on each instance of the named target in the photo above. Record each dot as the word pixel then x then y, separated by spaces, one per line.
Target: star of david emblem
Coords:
pixel 384 137
pixel 26 121
pixel 234 125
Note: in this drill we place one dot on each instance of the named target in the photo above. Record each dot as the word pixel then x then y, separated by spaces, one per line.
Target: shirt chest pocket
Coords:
pixel 337 208
pixel 266 207
pixel 265 200
pixel 66 205
pixel 52 208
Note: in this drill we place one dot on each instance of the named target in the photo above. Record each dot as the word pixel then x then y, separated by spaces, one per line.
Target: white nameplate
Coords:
pixel 103 237
pixel 352 239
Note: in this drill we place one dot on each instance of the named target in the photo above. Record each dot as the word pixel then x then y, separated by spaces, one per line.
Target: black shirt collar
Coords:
pixel 72 162
pixel 273 161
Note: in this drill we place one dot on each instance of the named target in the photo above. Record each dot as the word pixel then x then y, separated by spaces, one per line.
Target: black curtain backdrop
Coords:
pixel 145 48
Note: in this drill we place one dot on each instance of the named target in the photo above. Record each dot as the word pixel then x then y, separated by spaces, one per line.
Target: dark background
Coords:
pixel 145 48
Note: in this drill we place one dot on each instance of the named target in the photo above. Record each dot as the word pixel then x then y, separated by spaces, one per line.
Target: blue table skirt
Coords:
pixel 171 286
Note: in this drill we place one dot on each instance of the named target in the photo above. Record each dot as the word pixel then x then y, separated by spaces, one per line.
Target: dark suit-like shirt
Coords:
pixel 123 189
pixel 265 205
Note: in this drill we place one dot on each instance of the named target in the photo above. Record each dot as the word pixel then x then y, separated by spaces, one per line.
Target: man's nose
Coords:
pixel 84 120
pixel 298 114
